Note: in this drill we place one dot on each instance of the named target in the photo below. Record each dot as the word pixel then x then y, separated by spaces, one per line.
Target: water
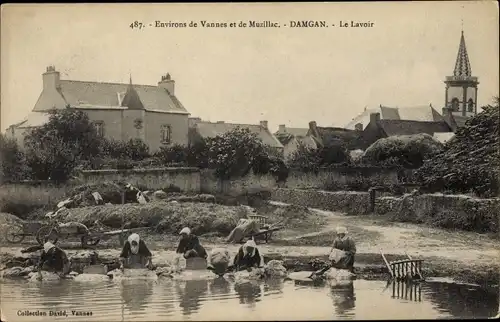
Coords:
pixel 222 299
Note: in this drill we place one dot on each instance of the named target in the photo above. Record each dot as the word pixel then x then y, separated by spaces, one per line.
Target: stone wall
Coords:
pixel 335 179
pixel 351 202
pixel 187 179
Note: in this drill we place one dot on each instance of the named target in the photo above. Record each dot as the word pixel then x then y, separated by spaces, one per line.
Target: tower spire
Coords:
pixel 462 65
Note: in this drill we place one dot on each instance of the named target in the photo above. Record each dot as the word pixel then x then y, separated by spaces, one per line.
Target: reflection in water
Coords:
pixel 407 291
pixel 343 297
pixel 248 292
pixel 463 301
pixel 273 286
pixel 136 295
pixel 128 300
pixel 219 286
pixel 189 293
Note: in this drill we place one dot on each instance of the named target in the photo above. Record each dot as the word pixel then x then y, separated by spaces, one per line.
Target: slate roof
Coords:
pixel 353 139
pixel 416 113
pixel 295 131
pixel 209 129
pixel 284 138
pixel 404 127
pixel 92 95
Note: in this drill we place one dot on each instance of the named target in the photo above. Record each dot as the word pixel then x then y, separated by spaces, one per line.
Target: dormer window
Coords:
pixel 120 96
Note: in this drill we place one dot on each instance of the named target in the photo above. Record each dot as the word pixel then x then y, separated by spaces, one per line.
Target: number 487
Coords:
pixel 136 24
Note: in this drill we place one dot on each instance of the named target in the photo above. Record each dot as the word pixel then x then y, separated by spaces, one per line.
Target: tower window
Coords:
pixel 166 131
pixel 454 104
pixel 470 106
pixel 99 127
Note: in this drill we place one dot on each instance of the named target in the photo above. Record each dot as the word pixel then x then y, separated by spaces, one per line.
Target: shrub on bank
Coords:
pixel 470 161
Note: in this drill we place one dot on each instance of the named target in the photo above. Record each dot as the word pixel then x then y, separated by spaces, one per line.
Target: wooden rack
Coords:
pixel 405 270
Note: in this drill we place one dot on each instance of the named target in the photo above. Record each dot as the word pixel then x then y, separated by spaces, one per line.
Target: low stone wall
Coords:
pixel 351 202
pixel 187 179
pixel 449 211
pixel 209 183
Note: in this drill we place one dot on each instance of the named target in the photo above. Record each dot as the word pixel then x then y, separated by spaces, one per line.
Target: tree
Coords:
pixel 310 159
pixel 54 149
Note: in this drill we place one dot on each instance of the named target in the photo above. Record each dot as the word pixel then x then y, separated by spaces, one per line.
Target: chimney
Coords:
pixel 263 124
pixel 374 117
pixel 167 83
pixel 282 128
pixel 51 79
pixel 358 127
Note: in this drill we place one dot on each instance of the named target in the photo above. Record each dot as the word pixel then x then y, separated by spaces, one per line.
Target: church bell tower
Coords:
pixel 461 88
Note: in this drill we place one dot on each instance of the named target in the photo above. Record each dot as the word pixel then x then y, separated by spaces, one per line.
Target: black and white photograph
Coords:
pixel 249 161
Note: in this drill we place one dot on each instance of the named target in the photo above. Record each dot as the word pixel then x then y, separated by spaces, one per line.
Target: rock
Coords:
pixel 275 268
pixel 160 195
pixel 85 256
pixel 164 272
pixel 46 276
pixel 16 272
pixel 338 274
pixel 219 259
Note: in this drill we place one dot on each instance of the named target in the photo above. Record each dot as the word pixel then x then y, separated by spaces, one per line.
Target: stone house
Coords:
pixel 293 138
pixel 378 128
pixel 199 130
pixel 118 111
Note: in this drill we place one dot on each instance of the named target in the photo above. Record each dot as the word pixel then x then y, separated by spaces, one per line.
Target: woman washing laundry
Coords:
pixel 346 244
pixel 341 255
pixel 189 245
pixel 248 257
pixel 135 253
pixel 53 259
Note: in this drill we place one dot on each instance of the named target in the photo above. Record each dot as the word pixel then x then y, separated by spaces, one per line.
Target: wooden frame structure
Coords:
pixel 405 270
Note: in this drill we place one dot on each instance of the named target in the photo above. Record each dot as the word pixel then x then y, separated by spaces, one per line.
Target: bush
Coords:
pixel 133 149
pixel 13 165
pixel 407 151
pixel 470 162
pixel 172 154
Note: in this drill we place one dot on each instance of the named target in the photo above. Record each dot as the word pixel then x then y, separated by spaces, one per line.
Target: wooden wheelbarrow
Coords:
pixel 267 229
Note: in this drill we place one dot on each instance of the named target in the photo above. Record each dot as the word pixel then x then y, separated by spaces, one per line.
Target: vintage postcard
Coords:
pixel 249 161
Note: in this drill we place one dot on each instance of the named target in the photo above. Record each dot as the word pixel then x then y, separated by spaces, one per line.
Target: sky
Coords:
pixel 283 75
